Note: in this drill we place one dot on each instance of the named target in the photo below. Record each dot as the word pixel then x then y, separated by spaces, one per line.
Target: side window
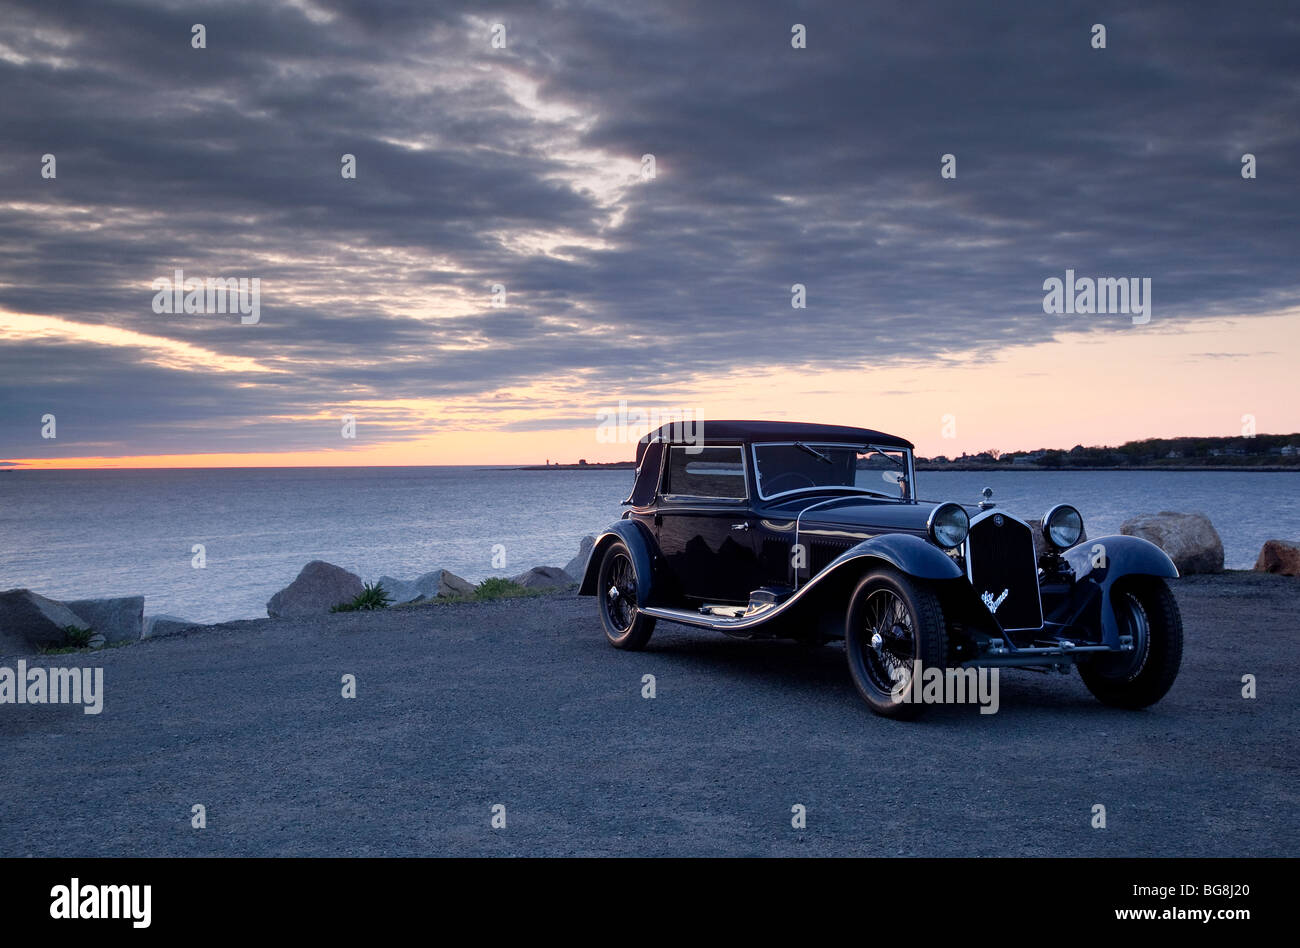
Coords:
pixel 711 472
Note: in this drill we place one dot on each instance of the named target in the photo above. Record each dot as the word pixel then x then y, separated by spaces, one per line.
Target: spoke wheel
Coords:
pixel 891 639
pixel 619 596
pixel 893 623
pixel 625 625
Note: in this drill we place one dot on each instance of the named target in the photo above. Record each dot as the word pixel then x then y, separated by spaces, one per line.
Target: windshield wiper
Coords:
pixel 891 459
pixel 814 452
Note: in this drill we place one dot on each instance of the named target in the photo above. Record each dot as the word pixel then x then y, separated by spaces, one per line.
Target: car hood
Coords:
pixel 866 516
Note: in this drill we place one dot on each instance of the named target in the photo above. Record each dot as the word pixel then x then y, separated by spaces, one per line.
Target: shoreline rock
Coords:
pixel 431 585
pixel 543 577
pixel 30 621
pixel 577 566
pixel 1280 557
pixel 1189 538
pixel 165 625
pixel 117 619
pixel 317 588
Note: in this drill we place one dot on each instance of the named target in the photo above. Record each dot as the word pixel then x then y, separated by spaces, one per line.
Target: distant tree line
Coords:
pixel 1259 450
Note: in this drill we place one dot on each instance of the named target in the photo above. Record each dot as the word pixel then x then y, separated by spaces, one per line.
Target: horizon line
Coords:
pixel 74 463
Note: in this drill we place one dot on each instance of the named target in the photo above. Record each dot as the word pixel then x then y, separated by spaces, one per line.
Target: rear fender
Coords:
pixel 639 542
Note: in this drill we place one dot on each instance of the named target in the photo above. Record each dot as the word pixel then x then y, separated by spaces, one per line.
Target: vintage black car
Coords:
pixel 764 529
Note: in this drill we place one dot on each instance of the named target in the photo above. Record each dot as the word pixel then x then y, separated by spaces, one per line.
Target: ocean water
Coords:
pixel 81 534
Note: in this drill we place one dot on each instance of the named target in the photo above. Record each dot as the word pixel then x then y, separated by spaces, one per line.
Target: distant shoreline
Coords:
pixel 1199 468
pixel 981 468
pixel 605 466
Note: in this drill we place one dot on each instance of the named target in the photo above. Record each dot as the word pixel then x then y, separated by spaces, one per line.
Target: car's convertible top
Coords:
pixel 721 432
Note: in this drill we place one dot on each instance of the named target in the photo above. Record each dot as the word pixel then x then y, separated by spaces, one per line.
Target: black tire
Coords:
pixel 625 625
pixel 908 619
pixel 1147 610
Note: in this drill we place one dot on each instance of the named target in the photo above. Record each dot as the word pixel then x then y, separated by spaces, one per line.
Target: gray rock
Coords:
pixel 29 622
pixel 165 625
pixel 399 590
pixel 120 619
pixel 316 589
pixel 431 585
pixel 1189 538
pixel 578 565
pixel 543 577
pixel 97 641
pixel 447 583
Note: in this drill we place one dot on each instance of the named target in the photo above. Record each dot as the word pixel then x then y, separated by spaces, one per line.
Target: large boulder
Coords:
pixel 318 588
pixel 1279 556
pixel 544 577
pixel 29 622
pixel 578 565
pixel 1189 538
pixel 165 625
pixel 120 619
pixel 432 585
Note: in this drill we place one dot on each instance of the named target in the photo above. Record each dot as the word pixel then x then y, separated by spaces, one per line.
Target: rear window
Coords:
pixel 708 472
pixel 647 476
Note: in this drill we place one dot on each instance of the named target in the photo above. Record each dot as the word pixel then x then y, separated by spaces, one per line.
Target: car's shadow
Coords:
pixel 819 674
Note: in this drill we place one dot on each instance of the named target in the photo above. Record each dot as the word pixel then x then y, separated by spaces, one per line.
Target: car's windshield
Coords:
pixel 799 465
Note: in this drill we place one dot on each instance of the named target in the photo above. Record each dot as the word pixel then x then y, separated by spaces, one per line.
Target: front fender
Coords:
pixel 639 542
pixel 1098 564
pixel 1107 559
pixel 906 553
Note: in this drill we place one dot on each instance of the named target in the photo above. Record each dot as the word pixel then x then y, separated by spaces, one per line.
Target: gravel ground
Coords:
pixel 521 703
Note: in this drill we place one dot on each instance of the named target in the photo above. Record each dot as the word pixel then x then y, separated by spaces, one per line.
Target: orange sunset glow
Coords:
pixel 1178 365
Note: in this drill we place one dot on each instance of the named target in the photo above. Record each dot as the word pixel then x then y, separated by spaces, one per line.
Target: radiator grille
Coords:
pixel 1000 559
pixel 822 552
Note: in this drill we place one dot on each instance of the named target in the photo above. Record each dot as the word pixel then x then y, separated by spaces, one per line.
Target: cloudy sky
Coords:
pixel 503 143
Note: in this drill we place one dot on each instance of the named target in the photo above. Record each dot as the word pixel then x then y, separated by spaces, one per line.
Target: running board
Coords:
pixel 722 623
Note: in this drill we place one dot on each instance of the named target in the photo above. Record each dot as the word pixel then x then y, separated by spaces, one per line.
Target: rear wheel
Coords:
pixel 625 625
pixel 1146 610
pixel 893 623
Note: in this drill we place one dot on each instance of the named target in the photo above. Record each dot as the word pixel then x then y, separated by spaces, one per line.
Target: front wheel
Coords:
pixel 625 625
pixel 895 629
pixel 1147 611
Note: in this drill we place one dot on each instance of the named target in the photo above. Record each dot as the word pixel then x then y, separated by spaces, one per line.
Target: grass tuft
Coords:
pixel 370 598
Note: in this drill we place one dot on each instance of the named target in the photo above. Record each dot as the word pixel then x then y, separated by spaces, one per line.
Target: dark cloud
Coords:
pixel 519 166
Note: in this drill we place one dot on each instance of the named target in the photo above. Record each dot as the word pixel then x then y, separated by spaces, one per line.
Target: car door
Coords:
pixel 705 527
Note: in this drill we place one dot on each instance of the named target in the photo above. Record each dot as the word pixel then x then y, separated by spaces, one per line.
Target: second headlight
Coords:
pixel 1063 526
pixel 948 525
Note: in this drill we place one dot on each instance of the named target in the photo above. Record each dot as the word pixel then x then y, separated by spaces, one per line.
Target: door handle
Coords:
pixel 740 526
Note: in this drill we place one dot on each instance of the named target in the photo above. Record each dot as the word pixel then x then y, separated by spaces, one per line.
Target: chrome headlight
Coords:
pixel 948 525
pixel 1063 526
